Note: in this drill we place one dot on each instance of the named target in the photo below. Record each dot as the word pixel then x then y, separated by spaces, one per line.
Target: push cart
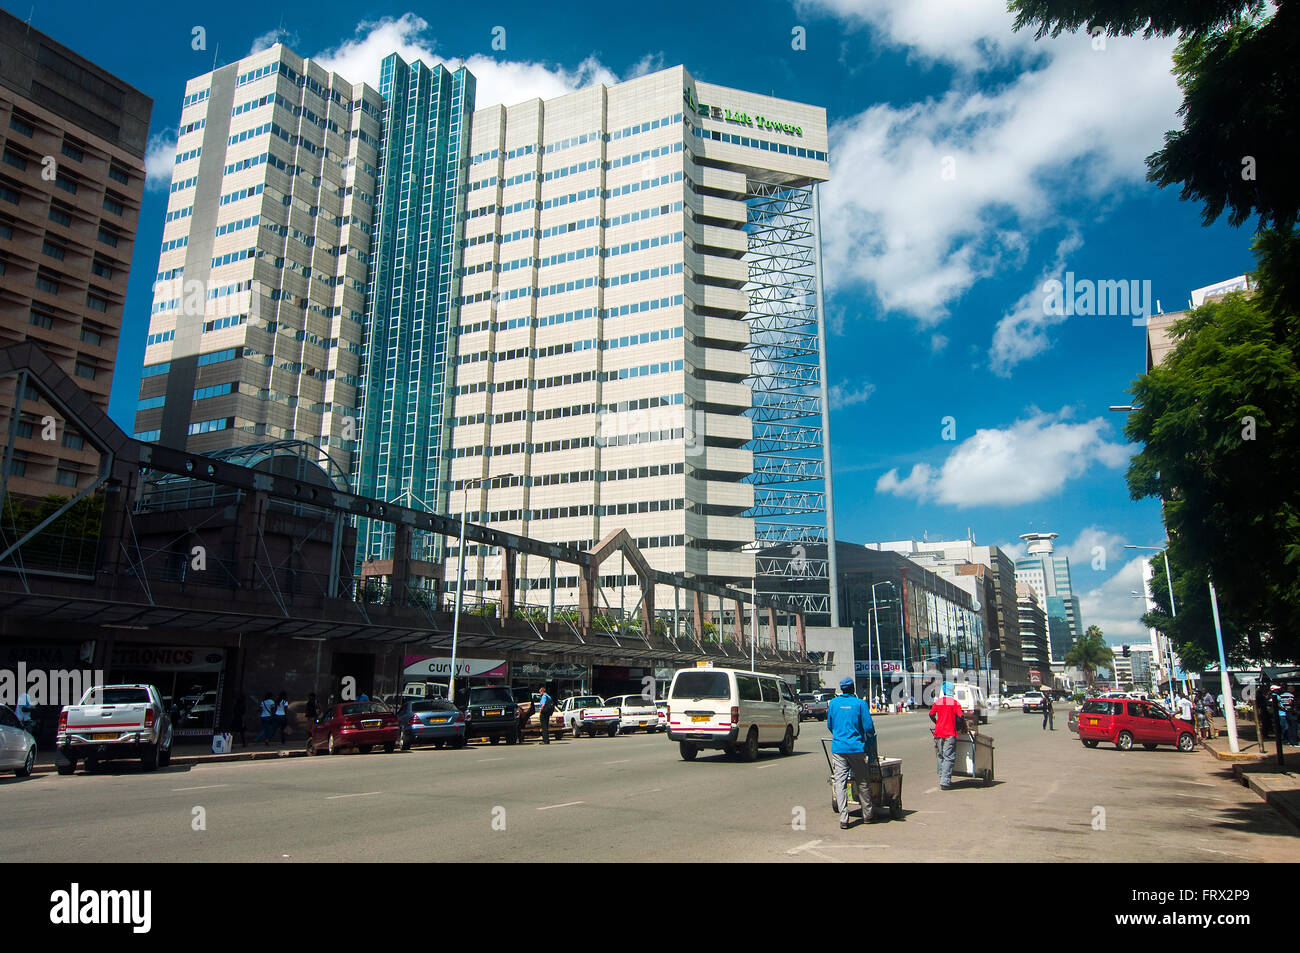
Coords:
pixel 974 757
pixel 884 775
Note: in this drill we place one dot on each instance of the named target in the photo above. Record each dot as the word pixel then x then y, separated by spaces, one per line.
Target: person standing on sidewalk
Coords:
pixel 1047 711
pixel 266 715
pixel 547 704
pixel 945 712
pixel 852 733
pixel 281 715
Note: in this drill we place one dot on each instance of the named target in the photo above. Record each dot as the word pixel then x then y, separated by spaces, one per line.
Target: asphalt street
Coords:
pixel 633 798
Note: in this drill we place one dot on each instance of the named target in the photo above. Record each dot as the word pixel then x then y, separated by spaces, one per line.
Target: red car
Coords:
pixel 360 725
pixel 1125 722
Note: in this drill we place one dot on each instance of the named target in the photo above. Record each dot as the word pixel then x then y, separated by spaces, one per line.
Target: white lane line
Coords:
pixel 772 765
pixel 481 760
pixel 1204 784
pixel 201 787
pixel 333 797
pixel 565 804
pixel 624 761
pixel 1199 797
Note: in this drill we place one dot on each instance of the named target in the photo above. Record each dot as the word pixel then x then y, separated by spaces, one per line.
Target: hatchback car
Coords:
pixel 360 725
pixel 17 746
pixel 435 720
pixel 1124 722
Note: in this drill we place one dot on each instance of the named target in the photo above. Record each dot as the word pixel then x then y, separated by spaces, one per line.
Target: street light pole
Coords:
pixel 876 612
pixel 1229 706
pixel 1173 610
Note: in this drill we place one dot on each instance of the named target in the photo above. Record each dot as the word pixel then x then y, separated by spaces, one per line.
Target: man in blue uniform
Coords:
pixel 852 733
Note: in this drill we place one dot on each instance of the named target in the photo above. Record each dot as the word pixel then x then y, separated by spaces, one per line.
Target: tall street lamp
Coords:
pixel 460 578
pixel 879 658
pixel 1173 610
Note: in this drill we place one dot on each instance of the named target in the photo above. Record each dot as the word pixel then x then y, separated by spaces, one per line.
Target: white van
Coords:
pixel 972 698
pixel 736 711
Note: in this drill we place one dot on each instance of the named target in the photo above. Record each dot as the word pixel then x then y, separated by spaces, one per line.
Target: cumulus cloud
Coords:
pixel 1022 331
pixel 500 81
pixel 272 37
pixel 160 159
pixel 848 393
pixel 1031 460
pixel 927 198
pixel 1111 605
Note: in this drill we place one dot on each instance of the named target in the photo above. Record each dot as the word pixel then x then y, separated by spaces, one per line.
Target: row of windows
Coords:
pixel 242 194
pixel 20 122
pixel 208 426
pixel 755 143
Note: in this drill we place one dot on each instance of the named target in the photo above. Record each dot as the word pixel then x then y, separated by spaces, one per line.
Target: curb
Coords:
pixel 193 759
pixel 1290 811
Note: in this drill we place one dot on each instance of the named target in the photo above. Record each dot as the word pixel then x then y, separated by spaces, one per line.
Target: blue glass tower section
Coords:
pixel 408 351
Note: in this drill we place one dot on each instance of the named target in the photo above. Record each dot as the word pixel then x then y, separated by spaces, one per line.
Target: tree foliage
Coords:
pixel 1235 63
pixel 1090 652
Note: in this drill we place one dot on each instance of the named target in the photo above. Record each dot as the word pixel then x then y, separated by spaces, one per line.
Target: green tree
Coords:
pixel 1090 652
pixel 1219 424
pixel 1235 63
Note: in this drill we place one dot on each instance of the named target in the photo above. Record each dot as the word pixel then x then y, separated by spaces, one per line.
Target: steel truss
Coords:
pixel 788 391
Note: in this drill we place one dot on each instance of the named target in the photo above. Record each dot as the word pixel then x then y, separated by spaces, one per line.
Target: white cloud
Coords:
pixel 160 159
pixel 1083 552
pixel 1111 605
pixel 847 393
pixel 1031 460
pixel 499 81
pixel 1022 331
pixel 1073 123
pixel 272 37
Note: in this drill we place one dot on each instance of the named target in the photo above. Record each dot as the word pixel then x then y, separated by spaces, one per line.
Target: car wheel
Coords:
pixel 334 746
pixel 390 746
pixel 165 756
pixel 437 744
pixel 495 739
pixel 1149 746
pixel 787 743
pixel 66 768
pixel 1089 742
pixel 750 750
pixel 689 751
pixel 460 742
pixel 150 760
pixel 364 749
pixel 510 738
pixel 612 731
pixel 1124 742
pixel 1186 742
pixel 312 750
pixel 730 751
pixel 26 770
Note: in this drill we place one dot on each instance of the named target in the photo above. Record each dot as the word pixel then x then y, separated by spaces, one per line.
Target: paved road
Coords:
pixel 633 798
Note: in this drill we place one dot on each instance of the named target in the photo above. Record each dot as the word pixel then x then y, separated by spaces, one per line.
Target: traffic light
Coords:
pixel 1126 653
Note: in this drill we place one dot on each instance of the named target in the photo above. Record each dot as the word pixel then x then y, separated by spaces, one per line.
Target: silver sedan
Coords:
pixel 17 746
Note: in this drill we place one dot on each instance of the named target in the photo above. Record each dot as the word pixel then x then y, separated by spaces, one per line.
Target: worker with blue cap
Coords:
pixel 852 733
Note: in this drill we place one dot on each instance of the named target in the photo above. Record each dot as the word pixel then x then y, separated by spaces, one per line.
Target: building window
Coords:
pixel 53 250
pixel 65 477
pixel 47 285
pixel 42 320
pixel 74 441
pixel 61 217
pixel 96 303
pixel 25 429
pixel 17 467
pixel 20 125
pixel 91 337
pixel 107 237
pixel 72 152
pixel 148 436
pixel 117 175
pixel 66 184
pixel 102 269
pixel 85 370
pixel 114 206
pixel 8 194
pixel 14 159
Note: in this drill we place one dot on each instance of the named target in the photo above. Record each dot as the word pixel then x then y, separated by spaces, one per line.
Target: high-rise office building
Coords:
pixel 1033 632
pixel 1049 575
pixel 640 333
pixel 410 338
pixel 260 298
pixel 72 140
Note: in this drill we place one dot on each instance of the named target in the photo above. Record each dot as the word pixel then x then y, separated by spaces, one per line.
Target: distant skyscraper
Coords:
pixel 73 139
pixel 1049 575
pixel 259 303
pixel 410 339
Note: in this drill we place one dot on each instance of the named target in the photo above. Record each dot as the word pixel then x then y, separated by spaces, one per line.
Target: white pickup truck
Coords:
pixel 589 713
pixel 114 721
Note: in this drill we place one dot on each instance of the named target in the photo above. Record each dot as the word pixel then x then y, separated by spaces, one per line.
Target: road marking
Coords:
pixel 1224 852
pixel 481 760
pixel 624 761
pixel 565 804
pixel 366 794
pixel 1204 784
pixel 1200 797
pixel 772 765
pixel 201 787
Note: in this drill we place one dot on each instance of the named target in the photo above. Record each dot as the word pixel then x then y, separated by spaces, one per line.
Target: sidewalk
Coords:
pixel 200 752
pixel 1277 784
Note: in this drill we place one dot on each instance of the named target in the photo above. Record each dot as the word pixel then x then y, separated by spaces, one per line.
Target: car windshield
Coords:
pixel 589 701
pixel 437 704
pixel 492 695
pixel 116 696
pixel 363 708
pixel 1097 706
pixel 701 685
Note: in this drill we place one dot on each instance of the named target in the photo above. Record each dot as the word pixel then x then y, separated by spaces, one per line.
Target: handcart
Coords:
pixel 884 775
pixel 974 757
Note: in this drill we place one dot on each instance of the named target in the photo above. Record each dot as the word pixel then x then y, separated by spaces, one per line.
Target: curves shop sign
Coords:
pixel 727 114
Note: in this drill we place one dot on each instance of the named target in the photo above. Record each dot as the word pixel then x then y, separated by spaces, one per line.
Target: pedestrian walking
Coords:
pixel 548 706
pixel 1047 712
pixel 281 715
pixel 311 711
pixel 1286 700
pixel 852 733
pixel 237 713
pixel 944 713
pixel 266 714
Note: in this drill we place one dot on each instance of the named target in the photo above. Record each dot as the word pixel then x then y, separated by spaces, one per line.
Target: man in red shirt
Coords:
pixel 944 713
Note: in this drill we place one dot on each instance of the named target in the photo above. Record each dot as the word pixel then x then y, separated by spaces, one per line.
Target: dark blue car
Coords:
pixel 434 720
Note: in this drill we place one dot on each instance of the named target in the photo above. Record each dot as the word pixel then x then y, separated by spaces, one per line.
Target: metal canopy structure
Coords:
pixel 787 380
pixel 125 593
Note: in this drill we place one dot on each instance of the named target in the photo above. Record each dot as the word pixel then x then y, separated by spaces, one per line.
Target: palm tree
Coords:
pixel 1090 652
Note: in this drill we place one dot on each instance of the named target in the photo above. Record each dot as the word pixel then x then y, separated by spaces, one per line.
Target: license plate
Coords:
pixel 490 713
pixel 438 721
pixel 104 736
pixel 373 723
pixel 699 717
pixel 1093 721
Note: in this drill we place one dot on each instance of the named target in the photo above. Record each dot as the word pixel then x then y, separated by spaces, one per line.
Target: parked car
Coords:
pixel 635 711
pixel 589 713
pixel 1012 701
pixel 1032 701
pixel 1124 722
pixel 114 721
pixel 810 706
pixel 360 725
pixel 661 706
pixel 490 712
pixel 972 701
pixel 435 720
pixel 1073 721
pixel 17 746
pixel 735 711
pixel 532 721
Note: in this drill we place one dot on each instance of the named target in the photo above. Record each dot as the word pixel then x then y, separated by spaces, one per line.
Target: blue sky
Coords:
pixel 969 166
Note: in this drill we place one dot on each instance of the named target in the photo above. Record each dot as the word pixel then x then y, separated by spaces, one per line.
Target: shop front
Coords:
pixel 563 679
pixel 610 680
pixel 190 679
pixel 434 672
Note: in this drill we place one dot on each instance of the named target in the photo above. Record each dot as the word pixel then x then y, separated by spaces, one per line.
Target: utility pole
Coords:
pixel 1229 708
